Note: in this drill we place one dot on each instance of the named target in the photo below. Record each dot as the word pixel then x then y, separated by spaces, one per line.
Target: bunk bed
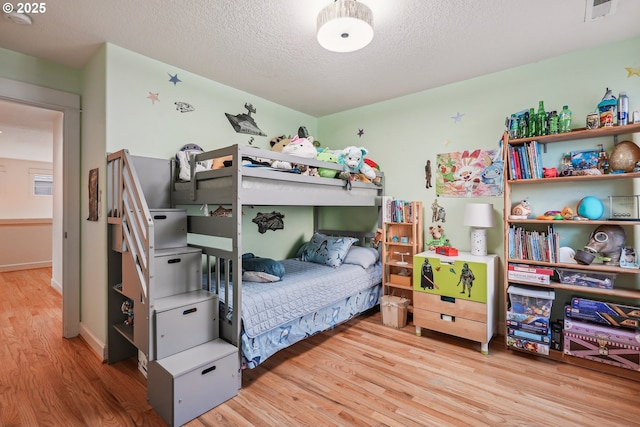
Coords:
pixel 270 315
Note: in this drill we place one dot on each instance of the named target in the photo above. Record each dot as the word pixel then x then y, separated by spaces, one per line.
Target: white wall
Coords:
pixel 17 199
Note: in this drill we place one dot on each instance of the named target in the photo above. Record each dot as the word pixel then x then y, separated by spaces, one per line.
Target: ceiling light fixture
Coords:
pixel 18 18
pixel 345 26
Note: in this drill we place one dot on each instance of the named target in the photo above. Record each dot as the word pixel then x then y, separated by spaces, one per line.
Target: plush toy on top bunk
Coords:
pixel 355 167
pixel 301 147
pixel 184 158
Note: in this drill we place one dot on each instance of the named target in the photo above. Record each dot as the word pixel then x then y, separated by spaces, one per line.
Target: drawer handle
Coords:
pixel 448 299
pixel 447 318
pixel 174 260
pixel 206 371
pixel 190 310
pixel 159 217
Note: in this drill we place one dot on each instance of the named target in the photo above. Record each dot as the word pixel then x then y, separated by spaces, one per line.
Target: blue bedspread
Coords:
pixel 310 298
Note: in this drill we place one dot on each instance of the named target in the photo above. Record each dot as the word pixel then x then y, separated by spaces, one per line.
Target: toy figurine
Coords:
pixel 521 210
pixel 439 213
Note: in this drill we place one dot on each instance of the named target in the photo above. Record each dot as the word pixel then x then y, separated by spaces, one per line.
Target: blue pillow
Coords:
pixel 263 265
pixel 327 250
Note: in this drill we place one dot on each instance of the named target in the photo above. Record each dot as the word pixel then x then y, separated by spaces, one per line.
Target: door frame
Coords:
pixel 69 105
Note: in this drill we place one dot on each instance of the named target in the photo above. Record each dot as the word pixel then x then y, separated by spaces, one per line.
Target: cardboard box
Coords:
pixel 524 344
pixel 602 318
pixel 531 300
pixel 528 323
pixel 523 276
pixel 538 338
pixel 394 311
pixel 611 308
pixel 613 346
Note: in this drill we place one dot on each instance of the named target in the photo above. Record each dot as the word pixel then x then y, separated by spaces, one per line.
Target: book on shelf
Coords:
pixel 534 245
pixel 525 161
pixel 398 210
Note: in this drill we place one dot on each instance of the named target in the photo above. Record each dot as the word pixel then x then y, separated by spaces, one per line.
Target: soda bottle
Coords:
pixel 565 119
pixel 533 129
pixel 513 127
pixel 623 109
pixel 553 122
pixel 541 122
pixel 522 126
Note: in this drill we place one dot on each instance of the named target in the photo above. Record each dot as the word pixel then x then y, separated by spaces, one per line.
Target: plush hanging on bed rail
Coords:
pixel 269 221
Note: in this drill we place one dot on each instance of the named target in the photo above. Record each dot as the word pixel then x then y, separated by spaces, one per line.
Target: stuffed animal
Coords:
pixel 437 238
pixel 325 155
pixel 279 142
pixel 301 147
pixel 352 160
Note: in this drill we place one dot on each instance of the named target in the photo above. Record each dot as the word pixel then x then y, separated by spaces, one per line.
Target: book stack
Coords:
pixel 525 161
pixel 529 274
pixel 528 318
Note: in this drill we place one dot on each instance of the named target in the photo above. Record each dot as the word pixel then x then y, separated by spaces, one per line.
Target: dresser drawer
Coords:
pixel 470 310
pixel 452 325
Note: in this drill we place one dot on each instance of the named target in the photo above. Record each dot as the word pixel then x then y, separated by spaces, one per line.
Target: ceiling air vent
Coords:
pixel 599 9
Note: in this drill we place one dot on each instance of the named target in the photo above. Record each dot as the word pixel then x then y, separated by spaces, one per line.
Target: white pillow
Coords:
pixel 259 276
pixel 364 257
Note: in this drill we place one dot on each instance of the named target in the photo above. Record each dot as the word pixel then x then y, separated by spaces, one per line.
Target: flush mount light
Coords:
pixel 345 26
pixel 18 18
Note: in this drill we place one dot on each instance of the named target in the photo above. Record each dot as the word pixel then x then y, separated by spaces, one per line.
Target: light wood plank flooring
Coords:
pixel 360 374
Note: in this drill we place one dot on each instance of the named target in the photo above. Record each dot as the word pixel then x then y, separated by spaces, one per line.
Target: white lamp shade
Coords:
pixel 479 215
pixel 345 26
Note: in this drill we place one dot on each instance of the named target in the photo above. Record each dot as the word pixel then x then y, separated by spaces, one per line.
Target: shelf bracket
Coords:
pixel 544 147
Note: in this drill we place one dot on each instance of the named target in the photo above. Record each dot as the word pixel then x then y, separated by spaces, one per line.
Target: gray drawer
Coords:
pixel 192 322
pixel 188 384
pixel 177 271
pixel 169 228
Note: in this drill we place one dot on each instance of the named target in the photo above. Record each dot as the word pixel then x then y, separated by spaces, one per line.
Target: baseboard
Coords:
pixel 56 286
pixel 98 347
pixel 24 266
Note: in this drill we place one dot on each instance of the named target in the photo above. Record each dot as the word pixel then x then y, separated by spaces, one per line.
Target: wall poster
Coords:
pixel 476 173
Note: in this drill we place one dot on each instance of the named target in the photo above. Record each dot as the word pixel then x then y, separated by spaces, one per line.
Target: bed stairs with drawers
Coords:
pixel 158 310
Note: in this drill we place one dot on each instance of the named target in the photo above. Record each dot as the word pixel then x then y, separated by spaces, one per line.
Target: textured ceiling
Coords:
pixel 269 49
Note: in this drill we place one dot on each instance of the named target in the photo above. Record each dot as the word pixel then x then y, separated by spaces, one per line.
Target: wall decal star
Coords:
pixel 360 133
pixel 458 117
pixel 447 141
pixel 154 97
pixel 174 79
pixel 632 70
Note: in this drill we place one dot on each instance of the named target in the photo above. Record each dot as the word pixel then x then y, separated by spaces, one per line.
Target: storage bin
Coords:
pixel 394 311
pixel 590 279
pixel 531 300
pixel 612 346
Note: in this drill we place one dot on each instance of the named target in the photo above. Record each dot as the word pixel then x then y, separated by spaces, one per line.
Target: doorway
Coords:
pixel 69 127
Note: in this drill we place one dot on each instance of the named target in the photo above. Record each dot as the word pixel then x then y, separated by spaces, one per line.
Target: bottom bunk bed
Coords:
pixel 309 298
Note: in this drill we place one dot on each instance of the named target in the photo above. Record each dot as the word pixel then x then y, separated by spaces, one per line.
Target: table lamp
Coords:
pixel 479 216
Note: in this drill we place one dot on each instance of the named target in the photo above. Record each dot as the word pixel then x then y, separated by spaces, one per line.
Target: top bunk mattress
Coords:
pixel 306 287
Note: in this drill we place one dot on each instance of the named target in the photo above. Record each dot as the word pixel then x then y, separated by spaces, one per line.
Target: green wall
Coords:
pixel 28 69
pixel 403 133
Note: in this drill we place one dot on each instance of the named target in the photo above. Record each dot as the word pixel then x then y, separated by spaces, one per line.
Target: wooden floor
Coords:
pixel 360 374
